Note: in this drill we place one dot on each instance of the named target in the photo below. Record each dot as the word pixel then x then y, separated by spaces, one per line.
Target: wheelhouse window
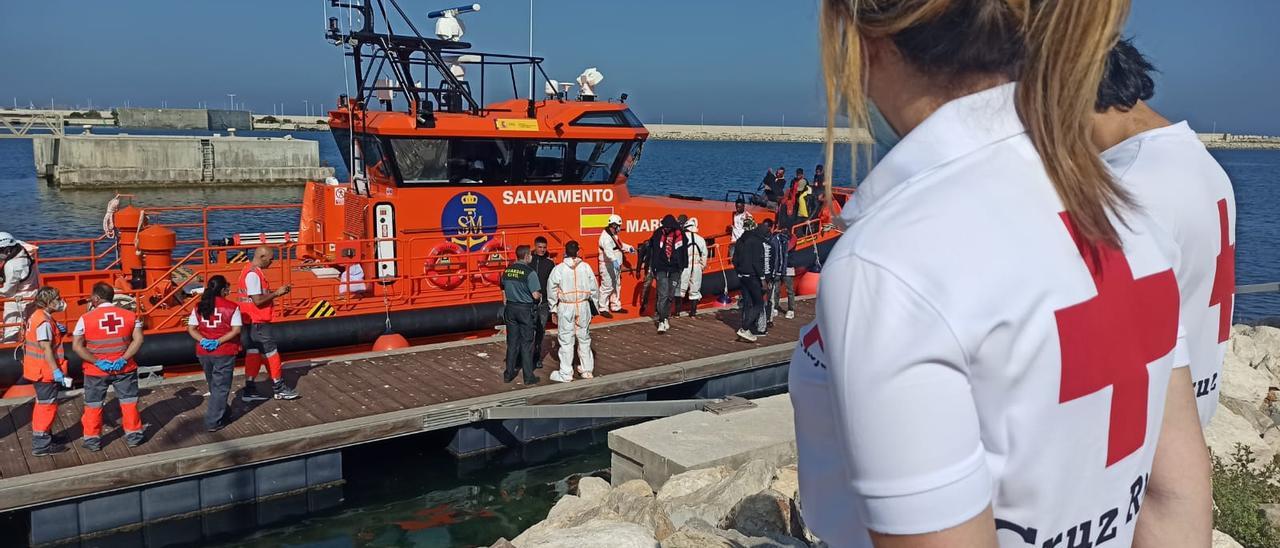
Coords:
pixel 506 161
pixel 613 118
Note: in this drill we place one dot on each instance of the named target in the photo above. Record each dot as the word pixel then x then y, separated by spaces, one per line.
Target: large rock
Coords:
pixel 1243 380
pixel 1223 540
pixel 632 502
pixel 592 488
pixel 614 534
pixel 567 512
pixel 713 503
pixel 1227 429
pixel 699 534
pixel 684 483
pixel 646 512
pixel 1258 347
pixel 762 514
pixel 787 481
pixel 1249 411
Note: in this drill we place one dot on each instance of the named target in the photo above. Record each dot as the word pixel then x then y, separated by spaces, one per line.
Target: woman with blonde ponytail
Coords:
pixel 997 358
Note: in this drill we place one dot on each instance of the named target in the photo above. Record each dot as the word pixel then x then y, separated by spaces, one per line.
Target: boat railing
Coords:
pixel 99 253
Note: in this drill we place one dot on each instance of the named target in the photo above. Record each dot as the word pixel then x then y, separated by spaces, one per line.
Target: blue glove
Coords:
pixel 119 364
pixel 209 345
pixel 61 328
pixel 105 365
pixel 57 375
pixel 617 264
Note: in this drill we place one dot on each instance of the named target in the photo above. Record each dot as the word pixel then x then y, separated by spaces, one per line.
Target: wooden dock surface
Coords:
pixel 358 399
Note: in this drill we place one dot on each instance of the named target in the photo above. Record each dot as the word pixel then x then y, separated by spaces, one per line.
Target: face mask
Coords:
pixel 883 134
pixel 60 306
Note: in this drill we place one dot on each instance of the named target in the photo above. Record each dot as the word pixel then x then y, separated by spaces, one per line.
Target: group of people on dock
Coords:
pixel 109 336
pixel 1022 330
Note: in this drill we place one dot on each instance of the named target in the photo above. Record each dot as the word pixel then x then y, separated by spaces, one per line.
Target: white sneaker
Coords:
pixel 774 313
pixel 746 335
pixel 555 376
pixel 791 314
pixel 663 326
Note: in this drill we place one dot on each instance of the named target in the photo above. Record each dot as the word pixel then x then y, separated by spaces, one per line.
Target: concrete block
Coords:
pixel 162 118
pixel 230 487
pixel 324 468
pixel 280 477
pixel 281 509
pixel 106 512
pixel 171 499
pixel 57 522
pixel 173 532
pixel 235 519
pixel 668 446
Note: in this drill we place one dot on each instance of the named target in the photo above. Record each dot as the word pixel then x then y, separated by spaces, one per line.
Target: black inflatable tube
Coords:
pixel 179 348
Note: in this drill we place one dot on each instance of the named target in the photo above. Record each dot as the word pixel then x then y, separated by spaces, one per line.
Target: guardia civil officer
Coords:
pixel 520 292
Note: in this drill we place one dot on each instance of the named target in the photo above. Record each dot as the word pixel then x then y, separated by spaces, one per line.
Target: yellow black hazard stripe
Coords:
pixel 321 309
pixel 240 257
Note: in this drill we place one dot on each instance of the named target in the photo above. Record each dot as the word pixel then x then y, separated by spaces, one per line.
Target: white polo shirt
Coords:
pixel 1188 194
pixel 964 355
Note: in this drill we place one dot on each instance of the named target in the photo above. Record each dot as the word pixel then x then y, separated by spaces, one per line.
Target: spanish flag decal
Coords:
pixel 592 220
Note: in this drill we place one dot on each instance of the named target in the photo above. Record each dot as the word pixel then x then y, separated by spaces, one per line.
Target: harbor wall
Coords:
pixel 95 161
pixel 222 120
pixel 163 118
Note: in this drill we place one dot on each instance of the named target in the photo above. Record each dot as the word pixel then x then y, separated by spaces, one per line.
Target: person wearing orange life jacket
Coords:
pixel 18 283
pixel 571 293
pixel 257 302
pixel 107 338
pixel 215 325
pixel 45 366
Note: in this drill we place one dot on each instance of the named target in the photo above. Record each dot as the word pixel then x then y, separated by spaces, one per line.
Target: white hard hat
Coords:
pixel 6 239
pixel 615 219
pixel 691 225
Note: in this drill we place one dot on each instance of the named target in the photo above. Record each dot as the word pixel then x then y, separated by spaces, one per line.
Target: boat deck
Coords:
pixel 357 399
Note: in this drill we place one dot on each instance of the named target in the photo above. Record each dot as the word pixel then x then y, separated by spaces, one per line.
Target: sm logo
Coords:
pixel 469 220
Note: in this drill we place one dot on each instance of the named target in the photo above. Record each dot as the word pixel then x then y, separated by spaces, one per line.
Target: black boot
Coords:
pixel 693 307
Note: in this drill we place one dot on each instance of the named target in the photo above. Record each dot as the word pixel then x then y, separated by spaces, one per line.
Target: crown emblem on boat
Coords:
pixel 469 199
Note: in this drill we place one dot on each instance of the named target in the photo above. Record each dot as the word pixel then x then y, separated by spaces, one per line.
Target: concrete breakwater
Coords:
pixel 97 161
pixel 170 118
pixel 777 134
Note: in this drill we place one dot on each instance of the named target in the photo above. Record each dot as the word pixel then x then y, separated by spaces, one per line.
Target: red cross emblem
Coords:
pixel 213 321
pixel 1108 340
pixel 813 337
pixel 111 323
pixel 1224 277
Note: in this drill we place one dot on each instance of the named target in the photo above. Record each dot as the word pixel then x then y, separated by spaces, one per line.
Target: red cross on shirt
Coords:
pixel 1224 276
pixel 1108 340
pixel 213 321
pixel 111 323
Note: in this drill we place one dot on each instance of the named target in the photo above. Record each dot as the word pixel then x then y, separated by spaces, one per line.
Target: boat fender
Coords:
pixel 443 267
pixel 495 260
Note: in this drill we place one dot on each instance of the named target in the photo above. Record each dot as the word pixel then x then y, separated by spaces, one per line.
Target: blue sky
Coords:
pixel 680 61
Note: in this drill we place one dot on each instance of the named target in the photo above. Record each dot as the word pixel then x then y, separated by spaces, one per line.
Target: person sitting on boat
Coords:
pixel 107 338
pixel 611 256
pixel 45 366
pixel 691 276
pixel 257 305
pixel 19 281
pixel 215 325
pixel 773 185
pixel 571 293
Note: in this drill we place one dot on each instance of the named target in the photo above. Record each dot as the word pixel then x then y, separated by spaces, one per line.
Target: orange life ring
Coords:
pixel 442 266
pixel 495 260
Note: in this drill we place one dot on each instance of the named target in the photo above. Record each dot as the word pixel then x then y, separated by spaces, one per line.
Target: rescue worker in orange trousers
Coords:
pixel 257 304
pixel 107 338
pixel 45 366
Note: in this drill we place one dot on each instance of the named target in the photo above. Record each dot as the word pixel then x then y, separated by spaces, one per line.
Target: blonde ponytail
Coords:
pixel 1067 44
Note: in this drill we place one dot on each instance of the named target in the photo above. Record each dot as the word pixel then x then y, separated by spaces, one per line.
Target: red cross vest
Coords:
pixel 108 330
pixel 35 365
pixel 217 325
pixel 260 314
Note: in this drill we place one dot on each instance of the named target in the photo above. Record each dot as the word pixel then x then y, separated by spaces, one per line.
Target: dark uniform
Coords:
pixel 519 282
pixel 543 265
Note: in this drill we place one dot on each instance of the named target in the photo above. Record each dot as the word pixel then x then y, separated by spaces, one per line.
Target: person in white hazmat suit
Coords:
pixel 571 293
pixel 691 276
pixel 18 284
pixel 611 250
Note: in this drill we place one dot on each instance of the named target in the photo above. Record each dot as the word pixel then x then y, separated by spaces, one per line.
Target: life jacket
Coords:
pixel 108 330
pixel 255 313
pixel 35 365
pixel 216 326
